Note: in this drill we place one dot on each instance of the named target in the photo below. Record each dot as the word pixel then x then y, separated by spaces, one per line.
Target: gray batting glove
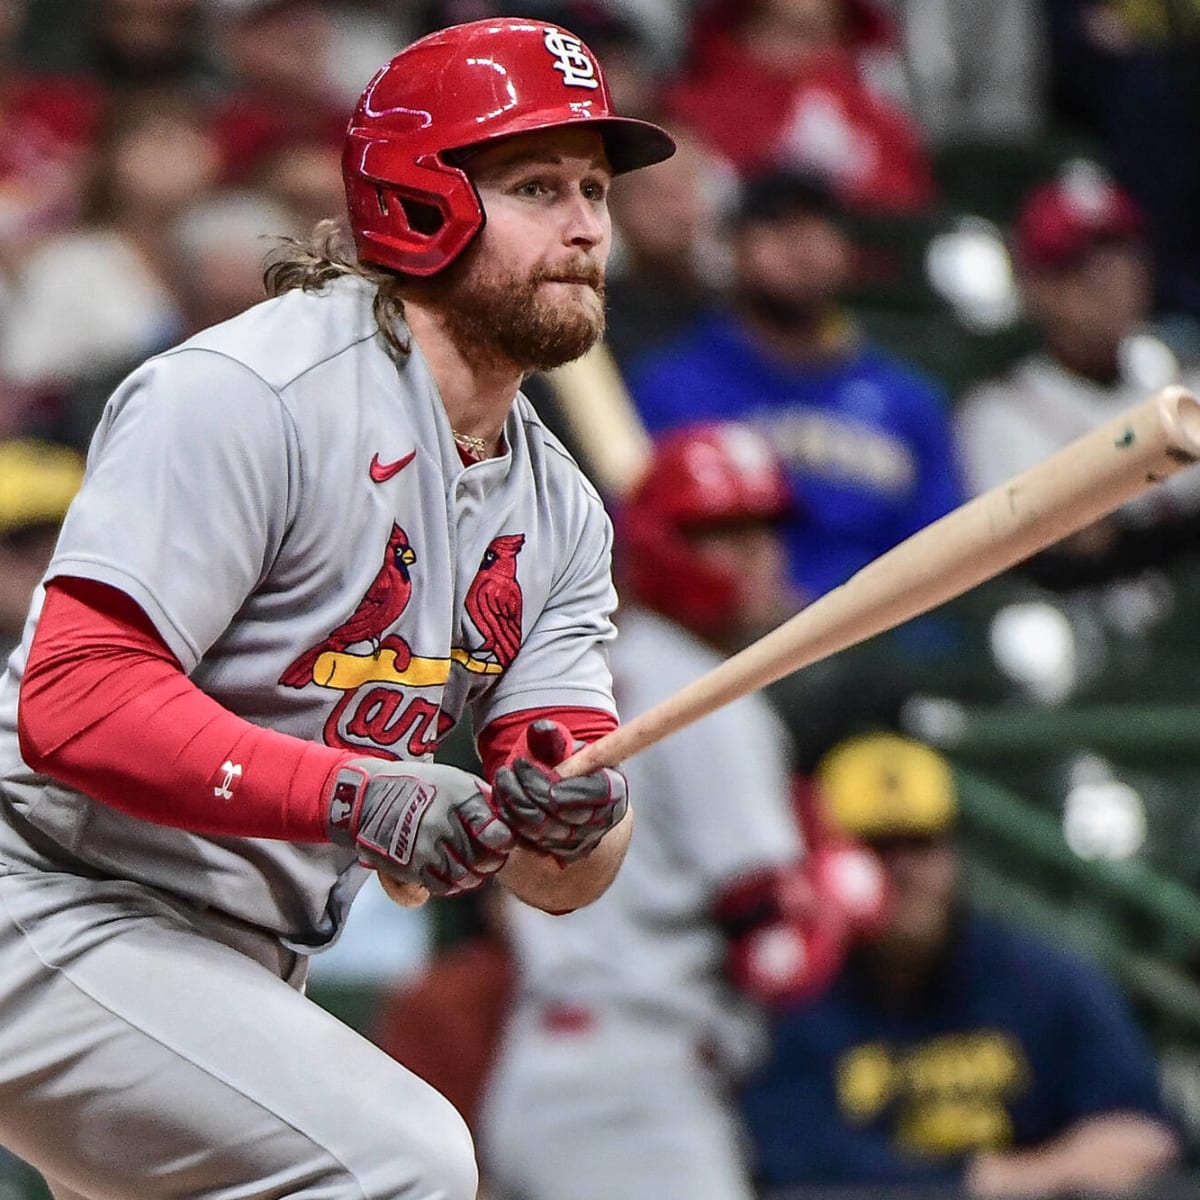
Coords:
pixel 563 817
pixel 418 822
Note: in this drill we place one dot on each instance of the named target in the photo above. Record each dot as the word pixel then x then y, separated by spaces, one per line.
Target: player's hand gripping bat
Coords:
pixel 1084 481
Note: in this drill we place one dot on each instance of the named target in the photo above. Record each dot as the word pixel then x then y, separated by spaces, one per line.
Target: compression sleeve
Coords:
pixel 504 739
pixel 107 709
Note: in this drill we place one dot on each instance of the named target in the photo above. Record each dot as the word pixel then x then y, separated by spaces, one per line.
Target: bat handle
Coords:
pixel 590 758
pixel 407 895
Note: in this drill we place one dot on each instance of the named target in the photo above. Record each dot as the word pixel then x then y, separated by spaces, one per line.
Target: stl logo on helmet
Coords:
pixel 571 59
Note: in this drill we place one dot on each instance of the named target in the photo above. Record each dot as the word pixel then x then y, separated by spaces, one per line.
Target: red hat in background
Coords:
pixel 1059 221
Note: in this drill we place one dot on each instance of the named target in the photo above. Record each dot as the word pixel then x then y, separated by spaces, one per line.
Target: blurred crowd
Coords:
pixel 147 147
pixel 917 245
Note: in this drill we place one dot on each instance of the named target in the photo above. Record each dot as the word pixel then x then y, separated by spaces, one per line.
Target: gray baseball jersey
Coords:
pixel 249 489
pixel 622 1007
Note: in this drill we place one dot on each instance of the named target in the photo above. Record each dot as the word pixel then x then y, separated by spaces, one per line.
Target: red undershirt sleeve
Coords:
pixel 107 709
pixel 503 740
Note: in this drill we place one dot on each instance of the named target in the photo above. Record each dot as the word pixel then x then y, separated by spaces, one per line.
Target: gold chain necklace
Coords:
pixel 472 445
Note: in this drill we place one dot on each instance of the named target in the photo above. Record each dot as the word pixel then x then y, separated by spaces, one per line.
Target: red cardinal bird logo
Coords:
pixel 494 601
pixel 377 611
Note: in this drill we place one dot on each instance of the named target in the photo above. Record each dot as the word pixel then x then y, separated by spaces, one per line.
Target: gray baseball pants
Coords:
pixel 154 1052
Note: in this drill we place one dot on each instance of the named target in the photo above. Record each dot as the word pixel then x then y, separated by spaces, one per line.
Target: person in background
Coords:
pixel 145 47
pixel 865 439
pixel 951 1047
pixel 212 257
pixel 1127 72
pixel 783 83
pixel 48 123
pixel 976 69
pixel 93 299
pixel 281 88
pixel 1087 279
pixel 38 481
pixel 670 266
pixel 216 248
pixel 305 177
pixel 444 1022
pixel 631 1018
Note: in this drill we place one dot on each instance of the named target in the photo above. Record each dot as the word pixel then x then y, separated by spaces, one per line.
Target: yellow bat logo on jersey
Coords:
pixel 369 663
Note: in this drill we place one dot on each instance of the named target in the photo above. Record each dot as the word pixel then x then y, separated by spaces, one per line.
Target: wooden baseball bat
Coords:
pixel 1080 483
pixel 603 420
pixel 1084 481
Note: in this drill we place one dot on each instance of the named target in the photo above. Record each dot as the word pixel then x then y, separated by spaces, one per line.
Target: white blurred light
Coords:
pixel 970 267
pixel 1104 819
pixel 934 719
pixel 1034 644
pixel 1148 362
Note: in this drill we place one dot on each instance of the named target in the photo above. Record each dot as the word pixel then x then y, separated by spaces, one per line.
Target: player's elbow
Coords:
pixel 32 734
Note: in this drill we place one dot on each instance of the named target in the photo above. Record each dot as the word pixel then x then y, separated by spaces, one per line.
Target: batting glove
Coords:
pixel 421 823
pixel 563 817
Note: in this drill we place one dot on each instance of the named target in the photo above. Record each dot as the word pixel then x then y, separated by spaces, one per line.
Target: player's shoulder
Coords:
pixel 1016 391
pixel 706 343
pixel 645 633
pixel 555 469
pixel 285 338
pixel 903 381
pixel 1028 960
pixel 654 656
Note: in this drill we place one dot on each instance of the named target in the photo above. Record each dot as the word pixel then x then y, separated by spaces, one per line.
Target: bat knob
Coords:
pixel 407 895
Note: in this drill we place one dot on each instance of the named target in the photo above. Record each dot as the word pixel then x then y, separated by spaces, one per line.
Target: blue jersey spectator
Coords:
pixel 951 1048
pixel 865 439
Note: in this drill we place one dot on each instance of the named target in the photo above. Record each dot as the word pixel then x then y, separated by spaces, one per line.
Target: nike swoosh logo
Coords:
pixel 382 472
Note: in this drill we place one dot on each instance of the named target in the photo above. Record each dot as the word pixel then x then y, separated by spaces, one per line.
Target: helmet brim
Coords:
pixel 632 144
pixel 629 143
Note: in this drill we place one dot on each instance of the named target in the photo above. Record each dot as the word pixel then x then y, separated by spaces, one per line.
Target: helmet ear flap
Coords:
pixel 413 220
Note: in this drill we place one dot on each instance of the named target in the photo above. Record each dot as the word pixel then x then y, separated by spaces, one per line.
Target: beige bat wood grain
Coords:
pixel 603 419
pixel 1084 481
pixel 1079 484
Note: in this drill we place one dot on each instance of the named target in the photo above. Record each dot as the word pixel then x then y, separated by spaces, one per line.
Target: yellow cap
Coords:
pixel 38 481
pixel 881 785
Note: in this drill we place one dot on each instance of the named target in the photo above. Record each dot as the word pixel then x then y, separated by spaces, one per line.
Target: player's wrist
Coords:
pixel 342 799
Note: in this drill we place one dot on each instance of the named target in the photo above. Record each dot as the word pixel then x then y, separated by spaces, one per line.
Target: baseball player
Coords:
pixel 634 1014
pixel 309 542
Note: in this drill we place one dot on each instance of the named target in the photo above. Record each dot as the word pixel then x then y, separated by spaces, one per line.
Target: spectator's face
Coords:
pixel 1086 308
pixel 283 50
pixel 221 283
pixel 307 180
pixel 923 878
pixel 797 262
pixel 160 163
pixel 789 32
pixel 144 34
pixel 753 554
pixel 667 213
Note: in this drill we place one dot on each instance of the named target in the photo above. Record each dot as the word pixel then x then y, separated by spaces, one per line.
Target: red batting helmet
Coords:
pixel 412 209
pixel 698 477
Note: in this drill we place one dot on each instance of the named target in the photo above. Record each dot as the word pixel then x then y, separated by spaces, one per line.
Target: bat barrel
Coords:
pixel 1081 483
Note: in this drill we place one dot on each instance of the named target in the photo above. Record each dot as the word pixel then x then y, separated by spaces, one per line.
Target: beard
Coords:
pixel 500 317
